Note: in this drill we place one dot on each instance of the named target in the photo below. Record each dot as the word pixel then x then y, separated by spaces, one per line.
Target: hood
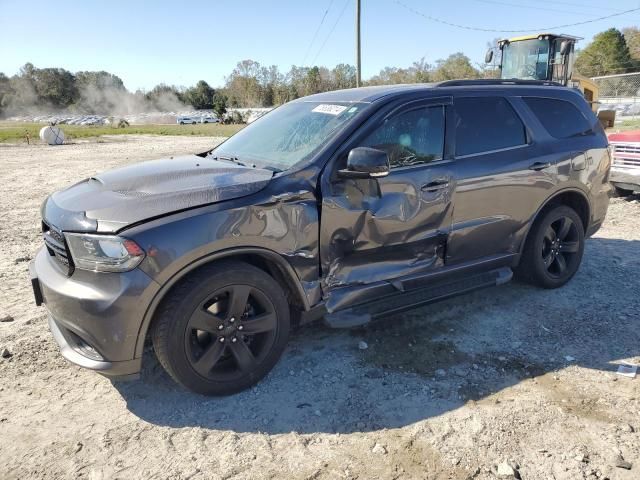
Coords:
pixel 109 201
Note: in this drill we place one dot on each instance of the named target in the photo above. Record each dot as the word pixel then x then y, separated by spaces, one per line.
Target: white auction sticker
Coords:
pixel 329 109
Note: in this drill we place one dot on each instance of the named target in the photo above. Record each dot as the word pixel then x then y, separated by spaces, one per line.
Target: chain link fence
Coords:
pixel 620 93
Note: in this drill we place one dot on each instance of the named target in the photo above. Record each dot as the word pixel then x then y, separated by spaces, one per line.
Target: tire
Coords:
pixel 554 248
pixel 621 192
pixel 229 300
pixel 181 123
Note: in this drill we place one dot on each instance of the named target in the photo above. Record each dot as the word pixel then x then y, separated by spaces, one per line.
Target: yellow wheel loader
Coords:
pixel 546 57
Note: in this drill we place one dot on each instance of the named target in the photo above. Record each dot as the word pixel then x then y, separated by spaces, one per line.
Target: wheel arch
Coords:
pixel 267 260
pixel 572 197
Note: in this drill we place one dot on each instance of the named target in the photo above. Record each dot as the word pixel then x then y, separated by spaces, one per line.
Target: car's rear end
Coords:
pixel 625 169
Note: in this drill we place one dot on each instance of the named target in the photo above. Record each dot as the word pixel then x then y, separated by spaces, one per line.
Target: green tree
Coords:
pixel 5 92
pixel 100 80
pixel 344 76
pixel 632 38
pixel 219 104
pixel 200 96
pixel 607 54
pixel 313 81
pixel 164 98
pixel 243 85
pixel 55 86
pixel 455 66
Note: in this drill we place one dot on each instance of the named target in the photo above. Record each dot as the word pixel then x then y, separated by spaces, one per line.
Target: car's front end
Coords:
pixel 95 298
pixel 625 168
pixel 91 277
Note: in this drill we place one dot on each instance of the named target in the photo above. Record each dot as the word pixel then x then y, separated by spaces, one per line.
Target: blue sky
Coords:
pixel 148 42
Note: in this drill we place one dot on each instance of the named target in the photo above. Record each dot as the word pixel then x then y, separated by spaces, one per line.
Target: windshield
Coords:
pixel 289 134
pixel 526 60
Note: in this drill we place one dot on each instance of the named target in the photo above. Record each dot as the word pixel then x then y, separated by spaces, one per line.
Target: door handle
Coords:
pixel 436 185
pixel 539 166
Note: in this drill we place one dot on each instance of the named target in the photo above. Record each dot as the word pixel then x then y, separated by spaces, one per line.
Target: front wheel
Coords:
pixel 554 248
pixel 222 329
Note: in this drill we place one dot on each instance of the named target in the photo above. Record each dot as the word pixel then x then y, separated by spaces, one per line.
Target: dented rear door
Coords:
pixel 380 230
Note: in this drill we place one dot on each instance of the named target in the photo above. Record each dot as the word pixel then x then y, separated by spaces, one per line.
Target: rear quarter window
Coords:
pixel 560 118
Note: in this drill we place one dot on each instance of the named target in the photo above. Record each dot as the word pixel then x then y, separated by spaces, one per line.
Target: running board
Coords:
pixel 396 303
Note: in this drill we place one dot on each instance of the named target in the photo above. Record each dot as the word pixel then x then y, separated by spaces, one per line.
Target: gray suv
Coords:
pixel 348 206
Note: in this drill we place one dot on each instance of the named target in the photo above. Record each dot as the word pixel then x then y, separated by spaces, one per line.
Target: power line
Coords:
pixel 581 5
pixel 479 29
pixel 346 3
pixel 530 7
pixel 317 30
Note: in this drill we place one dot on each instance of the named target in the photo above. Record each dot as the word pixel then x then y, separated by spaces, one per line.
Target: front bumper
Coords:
pixel 627 178
pixel 95 317
pixel 70 348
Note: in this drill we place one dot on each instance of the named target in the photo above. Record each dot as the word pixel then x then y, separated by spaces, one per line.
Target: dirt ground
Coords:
pixel 510 380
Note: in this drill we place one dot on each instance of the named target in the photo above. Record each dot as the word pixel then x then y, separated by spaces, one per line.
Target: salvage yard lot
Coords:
pixel 511 375
pixel 16 132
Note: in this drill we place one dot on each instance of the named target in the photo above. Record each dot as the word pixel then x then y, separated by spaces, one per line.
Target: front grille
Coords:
pixel 626 155
pixel 57 247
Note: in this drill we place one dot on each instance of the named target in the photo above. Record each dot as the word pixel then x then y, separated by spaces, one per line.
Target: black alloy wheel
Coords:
pixel 560 247
pixel 222 328
pixel 230 332
pixel 553 249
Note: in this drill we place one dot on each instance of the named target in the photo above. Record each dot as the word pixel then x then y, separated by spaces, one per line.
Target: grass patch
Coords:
pixel 626 125
pixel 15 132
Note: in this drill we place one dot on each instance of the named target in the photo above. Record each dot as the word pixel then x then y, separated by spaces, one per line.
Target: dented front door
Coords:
pixel 380 230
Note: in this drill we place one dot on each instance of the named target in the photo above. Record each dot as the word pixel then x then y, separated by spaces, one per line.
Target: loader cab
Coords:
pixel 545 57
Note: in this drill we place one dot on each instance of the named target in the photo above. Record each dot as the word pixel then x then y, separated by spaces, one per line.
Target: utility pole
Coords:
pixel 358 66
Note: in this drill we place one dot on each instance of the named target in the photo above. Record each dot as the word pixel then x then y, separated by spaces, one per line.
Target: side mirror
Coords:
pixel 365 162
pixel 565 46
pixel 488 56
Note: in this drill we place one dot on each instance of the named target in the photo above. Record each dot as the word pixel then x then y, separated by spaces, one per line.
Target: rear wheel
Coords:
pixel 554 248
pixel 222 329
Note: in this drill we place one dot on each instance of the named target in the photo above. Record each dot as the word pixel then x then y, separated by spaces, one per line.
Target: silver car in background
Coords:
pixel 183 120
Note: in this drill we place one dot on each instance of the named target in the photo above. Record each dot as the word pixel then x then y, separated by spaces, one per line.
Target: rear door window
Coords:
pixel 485 124
pixel 560 118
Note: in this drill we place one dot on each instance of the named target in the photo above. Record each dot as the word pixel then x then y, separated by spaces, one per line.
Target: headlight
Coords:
pixel 103 253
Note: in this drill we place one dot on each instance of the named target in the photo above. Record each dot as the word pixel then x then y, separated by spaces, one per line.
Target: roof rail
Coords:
pixel 495 81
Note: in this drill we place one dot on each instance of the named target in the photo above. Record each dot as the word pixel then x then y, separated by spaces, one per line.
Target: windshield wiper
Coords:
pixel 583 134
pixel 234 159
pixel 229 158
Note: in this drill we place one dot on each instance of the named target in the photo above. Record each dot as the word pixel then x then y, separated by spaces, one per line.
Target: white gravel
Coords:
pixel 468 388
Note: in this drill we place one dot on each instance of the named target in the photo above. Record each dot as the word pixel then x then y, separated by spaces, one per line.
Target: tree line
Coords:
pixel 251 84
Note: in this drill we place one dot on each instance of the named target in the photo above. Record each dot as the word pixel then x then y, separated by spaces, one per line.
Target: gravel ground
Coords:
pixel 503 383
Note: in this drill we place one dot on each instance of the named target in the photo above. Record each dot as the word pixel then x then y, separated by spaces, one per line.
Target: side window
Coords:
pixel 410 138
pixel 484 124
pixel 560 118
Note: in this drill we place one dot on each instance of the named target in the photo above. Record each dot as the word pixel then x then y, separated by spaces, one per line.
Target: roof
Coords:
pixel 541 34
pixel 374 93
pixel 365 94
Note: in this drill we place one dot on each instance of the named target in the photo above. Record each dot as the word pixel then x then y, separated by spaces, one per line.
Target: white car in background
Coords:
pixel 183 120
pixel 209 119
